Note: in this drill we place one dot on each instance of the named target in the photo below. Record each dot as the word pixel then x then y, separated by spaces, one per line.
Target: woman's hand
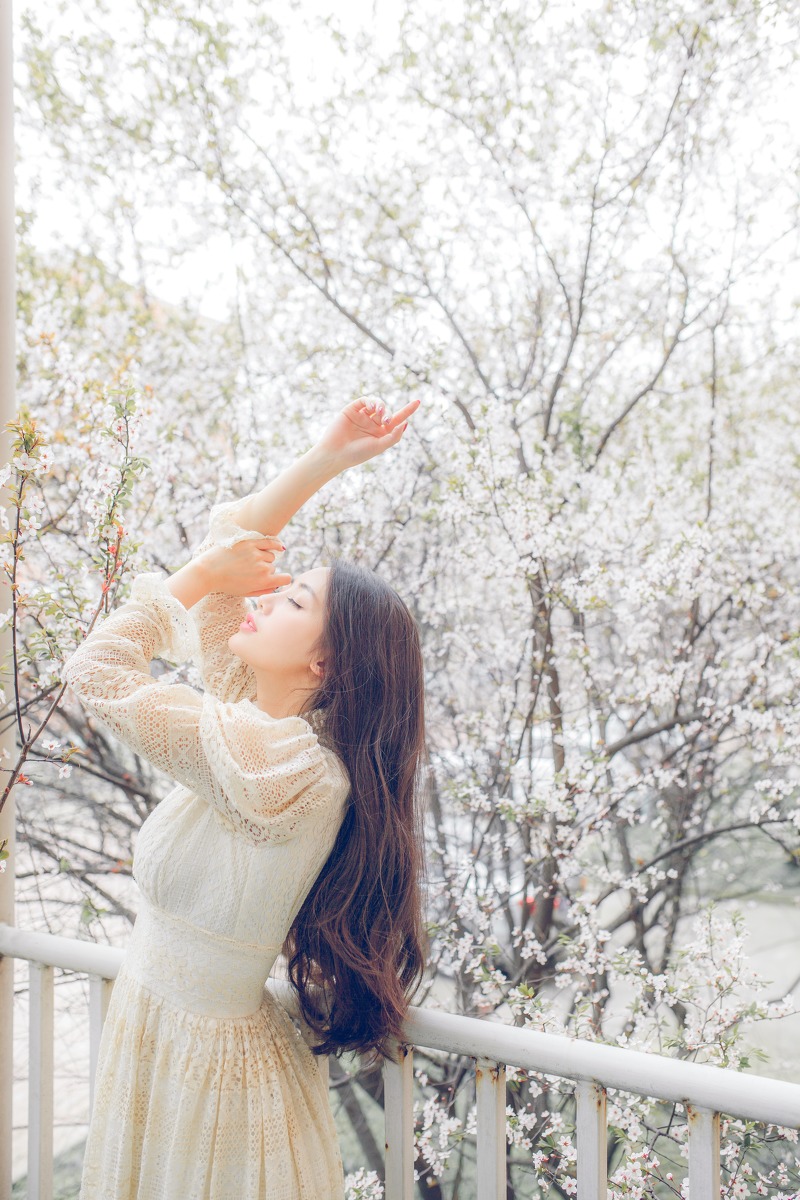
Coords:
pixel 361 431
pixel 247 568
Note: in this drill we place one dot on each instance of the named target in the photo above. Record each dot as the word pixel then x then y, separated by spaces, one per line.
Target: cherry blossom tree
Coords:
pixel 567 231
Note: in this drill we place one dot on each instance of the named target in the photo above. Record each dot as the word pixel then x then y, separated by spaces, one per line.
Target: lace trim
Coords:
pixel 179 635
pixel 223 528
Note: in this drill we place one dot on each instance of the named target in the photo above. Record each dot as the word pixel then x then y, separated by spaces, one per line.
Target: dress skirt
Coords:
pixel 192 1106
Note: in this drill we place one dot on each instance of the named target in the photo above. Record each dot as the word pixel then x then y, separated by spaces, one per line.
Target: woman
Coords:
pixel 295 825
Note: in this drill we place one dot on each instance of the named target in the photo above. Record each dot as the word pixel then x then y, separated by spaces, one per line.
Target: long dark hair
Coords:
pixel 359 939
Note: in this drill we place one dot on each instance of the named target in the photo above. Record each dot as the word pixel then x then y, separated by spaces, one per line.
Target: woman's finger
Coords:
pixel 388 437
pixel 271 585
pixel 363 406
pixel 398 417
pixel 384 426
pixel 374 409
pixel 274 582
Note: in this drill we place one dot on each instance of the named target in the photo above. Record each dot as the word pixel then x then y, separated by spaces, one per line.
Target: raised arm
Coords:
pixel 359 432
pixel 217 600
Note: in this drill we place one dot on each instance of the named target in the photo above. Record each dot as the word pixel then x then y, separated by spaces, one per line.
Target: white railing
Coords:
pixel 704 1091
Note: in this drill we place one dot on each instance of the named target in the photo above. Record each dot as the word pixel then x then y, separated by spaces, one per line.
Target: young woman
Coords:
pixel 295 826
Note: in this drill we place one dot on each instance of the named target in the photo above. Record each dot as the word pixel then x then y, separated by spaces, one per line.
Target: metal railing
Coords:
pixel 705 1091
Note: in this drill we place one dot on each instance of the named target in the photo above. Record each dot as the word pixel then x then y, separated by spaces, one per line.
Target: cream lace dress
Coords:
pixel 205 1087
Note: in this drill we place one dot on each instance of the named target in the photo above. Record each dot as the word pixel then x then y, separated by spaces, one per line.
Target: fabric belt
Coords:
pixel 194 968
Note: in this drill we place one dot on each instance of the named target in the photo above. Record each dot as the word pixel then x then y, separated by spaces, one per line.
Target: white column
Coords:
pixel 7 412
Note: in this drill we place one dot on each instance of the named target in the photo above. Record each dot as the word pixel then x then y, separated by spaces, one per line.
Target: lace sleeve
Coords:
pixel 217 616
pixel 268 776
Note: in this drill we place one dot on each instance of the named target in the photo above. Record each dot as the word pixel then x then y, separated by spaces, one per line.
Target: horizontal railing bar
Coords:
pixel 53 950
pixel 753 1097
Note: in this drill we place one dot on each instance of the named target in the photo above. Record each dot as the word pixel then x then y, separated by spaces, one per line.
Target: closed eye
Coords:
pixel 289 598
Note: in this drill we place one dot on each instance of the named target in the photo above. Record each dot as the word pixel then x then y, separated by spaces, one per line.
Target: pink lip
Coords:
pixel 249 623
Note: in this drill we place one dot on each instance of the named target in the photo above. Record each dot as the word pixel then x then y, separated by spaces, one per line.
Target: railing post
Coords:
pixel 704 1174
pixel 99 996
pixel 399 1123
pixel 40 1083
pixel 490 1092
pixel 592 1136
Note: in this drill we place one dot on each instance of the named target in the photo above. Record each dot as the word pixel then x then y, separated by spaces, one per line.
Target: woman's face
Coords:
pixel 287 624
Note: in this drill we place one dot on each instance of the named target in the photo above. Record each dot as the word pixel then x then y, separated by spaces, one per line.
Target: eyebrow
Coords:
pixel 308 589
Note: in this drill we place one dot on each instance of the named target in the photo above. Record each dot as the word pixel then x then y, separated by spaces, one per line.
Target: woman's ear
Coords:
pixel 318 667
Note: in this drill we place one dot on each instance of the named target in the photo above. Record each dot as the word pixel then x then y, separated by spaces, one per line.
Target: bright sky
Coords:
pixel 206 277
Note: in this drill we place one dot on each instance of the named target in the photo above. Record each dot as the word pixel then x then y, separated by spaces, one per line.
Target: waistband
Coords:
pixel 194 968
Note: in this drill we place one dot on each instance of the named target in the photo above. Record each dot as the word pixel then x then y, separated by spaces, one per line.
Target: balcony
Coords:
pixel 705 1091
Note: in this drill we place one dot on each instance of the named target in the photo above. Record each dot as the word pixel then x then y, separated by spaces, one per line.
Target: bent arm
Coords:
pixel 190 583
pixel 270 777
pixel 358 433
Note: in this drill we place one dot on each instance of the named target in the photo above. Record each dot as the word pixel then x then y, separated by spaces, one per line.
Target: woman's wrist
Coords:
pixel 274 505
pixel 191 583
pixel 324 462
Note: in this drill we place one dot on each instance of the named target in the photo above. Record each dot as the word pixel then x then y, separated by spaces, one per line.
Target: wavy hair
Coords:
pixel 359 938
